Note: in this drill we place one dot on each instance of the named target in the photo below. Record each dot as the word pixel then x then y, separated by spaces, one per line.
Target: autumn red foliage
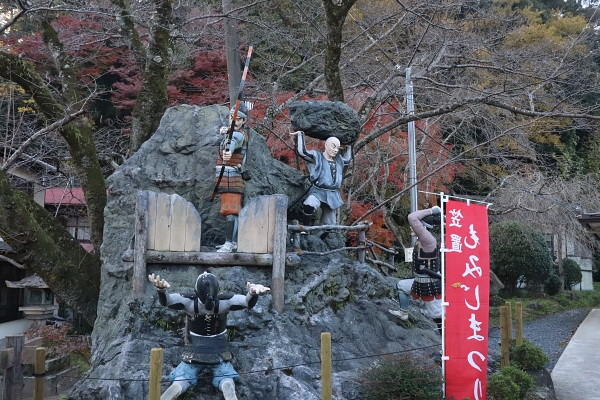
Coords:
pixel 108 67
pixel 383 163
pixel 58 342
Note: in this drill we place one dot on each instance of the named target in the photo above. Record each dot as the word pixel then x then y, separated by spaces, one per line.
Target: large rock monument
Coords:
pixel 276 355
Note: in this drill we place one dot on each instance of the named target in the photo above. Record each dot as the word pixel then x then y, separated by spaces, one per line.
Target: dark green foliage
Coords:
pixel 511 383
pixel 572 272
pixel 573 276
pixel 501 387
pixel 553 284
pixel 528 356
pixel 403 378
pixel 519 252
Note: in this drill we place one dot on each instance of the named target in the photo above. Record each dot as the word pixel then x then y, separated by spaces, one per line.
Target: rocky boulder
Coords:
pixel 276 355
pixel 322 119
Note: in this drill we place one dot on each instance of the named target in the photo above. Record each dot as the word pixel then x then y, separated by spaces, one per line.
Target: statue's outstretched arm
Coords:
pixel 302 152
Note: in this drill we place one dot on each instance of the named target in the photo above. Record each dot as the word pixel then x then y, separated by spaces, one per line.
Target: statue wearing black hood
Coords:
pixel 207 324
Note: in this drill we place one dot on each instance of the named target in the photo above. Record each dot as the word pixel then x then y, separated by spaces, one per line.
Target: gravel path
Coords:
pixel 552 333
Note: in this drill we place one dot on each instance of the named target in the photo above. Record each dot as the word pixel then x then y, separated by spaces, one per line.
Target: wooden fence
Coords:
pixel 156 359
pixel 506 330
pixel 20 351
pixel 168 230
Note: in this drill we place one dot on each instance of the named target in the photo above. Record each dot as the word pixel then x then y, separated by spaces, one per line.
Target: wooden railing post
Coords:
pixel 519 322
pixel 156 358
pixel 13 375
pixel 326 390
pixel 508 305
pixel 504 342
pixel 40 373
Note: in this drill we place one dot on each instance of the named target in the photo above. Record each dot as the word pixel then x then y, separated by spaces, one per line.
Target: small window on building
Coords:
pixel 79 228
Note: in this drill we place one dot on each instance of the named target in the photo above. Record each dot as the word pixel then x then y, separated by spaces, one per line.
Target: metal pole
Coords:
pixel 412 152
pixel 443 201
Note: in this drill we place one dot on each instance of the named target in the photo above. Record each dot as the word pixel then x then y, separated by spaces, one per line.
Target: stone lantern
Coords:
pixel 39 299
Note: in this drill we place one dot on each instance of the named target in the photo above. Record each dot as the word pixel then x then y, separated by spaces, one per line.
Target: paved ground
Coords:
pixel 576 375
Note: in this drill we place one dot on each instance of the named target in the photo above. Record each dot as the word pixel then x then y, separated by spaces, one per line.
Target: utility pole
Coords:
pixel 234 74
pixel 412 152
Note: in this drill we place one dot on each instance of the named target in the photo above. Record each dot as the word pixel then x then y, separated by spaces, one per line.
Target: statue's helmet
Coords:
pixel 207 288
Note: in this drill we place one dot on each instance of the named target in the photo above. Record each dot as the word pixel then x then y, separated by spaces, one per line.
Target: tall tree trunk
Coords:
pixel 41 243
pixel 152 101
pixel 78 135
pixel 335 12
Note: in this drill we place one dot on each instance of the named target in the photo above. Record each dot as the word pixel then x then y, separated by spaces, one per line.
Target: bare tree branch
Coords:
pixel 50 128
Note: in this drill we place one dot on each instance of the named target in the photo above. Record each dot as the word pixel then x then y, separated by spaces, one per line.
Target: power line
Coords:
pixel 267 370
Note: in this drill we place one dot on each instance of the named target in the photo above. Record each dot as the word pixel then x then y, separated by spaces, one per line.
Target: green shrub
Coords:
pixel 511 383
pixel 553 284
pixel 523 380
pixel 528 356
pixel 518 253
pixel 502 387
pixel 402 378
pixel 573 274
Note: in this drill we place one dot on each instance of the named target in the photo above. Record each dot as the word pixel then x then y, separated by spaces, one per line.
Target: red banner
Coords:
pixel 467 292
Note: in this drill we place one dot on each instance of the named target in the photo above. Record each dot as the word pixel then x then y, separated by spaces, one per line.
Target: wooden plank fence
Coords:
pixel 168 230
pixel 156 357
pixel 18 351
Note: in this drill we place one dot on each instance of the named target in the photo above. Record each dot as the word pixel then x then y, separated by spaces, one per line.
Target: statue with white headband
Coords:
pixel 326 173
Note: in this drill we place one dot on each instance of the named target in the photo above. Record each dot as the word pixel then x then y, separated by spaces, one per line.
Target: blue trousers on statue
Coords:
pixel 189 372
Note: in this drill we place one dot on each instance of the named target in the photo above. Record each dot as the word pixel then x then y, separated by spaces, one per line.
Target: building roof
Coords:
pixel 591 223
pixel 32 281
pixel 73 196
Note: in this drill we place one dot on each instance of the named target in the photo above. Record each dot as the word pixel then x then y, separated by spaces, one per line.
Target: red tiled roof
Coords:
pixel 64 196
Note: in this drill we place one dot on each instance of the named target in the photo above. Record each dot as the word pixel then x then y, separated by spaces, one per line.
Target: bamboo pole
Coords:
pixel 362 240
pixel 279 255
pixel 40 372
pixel 519 323
pixel 326 366
pixel 504 342
pixel 508 305
pixel 156 357
pixel 211 258
pixel 304 228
